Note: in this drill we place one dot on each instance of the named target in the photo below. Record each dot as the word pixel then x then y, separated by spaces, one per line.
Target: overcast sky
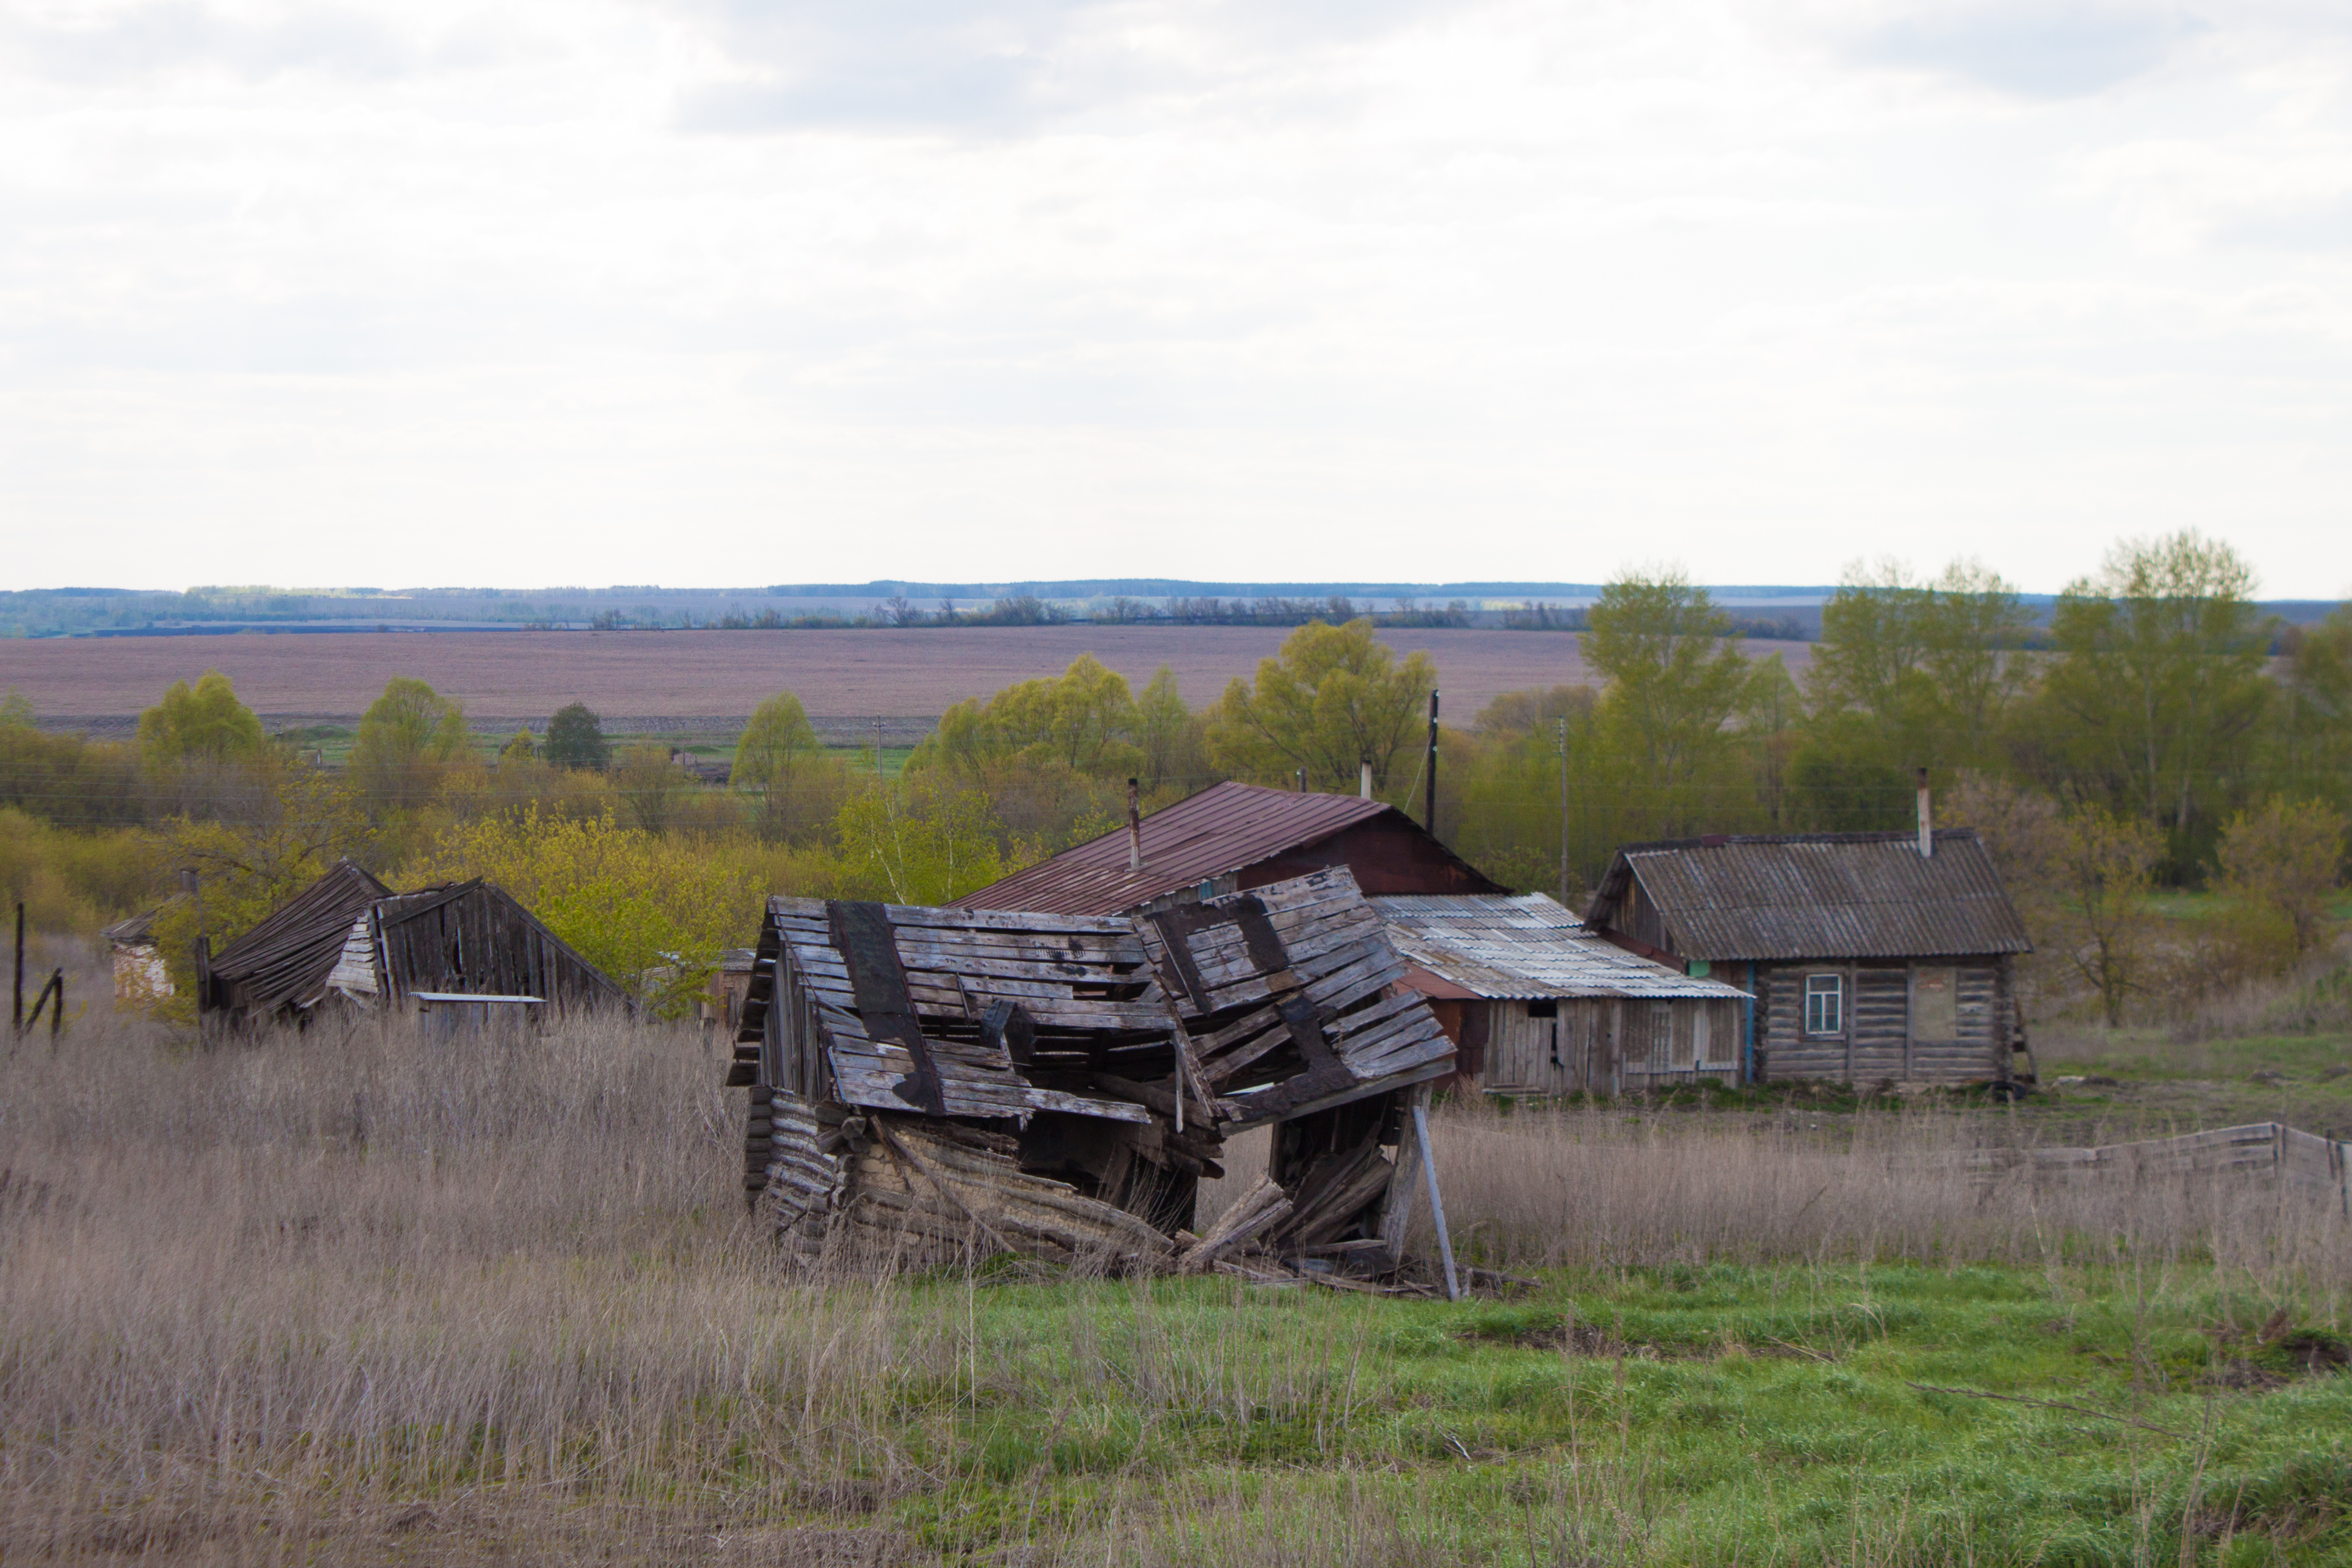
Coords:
pixel 711 291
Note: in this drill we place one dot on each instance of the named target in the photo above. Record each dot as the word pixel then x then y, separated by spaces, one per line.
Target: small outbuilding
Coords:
pixel 140 975
pixel 1870 958
pixel 1535 1004
pixel 349 939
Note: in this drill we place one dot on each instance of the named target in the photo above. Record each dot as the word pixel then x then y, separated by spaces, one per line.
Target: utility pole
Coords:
pixel 1432 822
pixel 1563 811
pixel 877 745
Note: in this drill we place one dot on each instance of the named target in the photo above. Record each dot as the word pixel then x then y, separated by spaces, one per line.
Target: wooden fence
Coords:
pixel 2303 1162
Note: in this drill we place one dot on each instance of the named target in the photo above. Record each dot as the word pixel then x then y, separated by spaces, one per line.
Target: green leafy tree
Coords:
pixel 575 739
pixel 2315 754
pixel 923 840
pixel 1082 720
pixel 203 723
pixel 520 747
pixel 1172 738
pixel 1332 699
pixel 652 787
pixel 1675 679
pixel 406 738
pixel 2106 868
pixel 653 912
pixel 777 744
pixel 2284 865
pixel 801 790
pixel 1930 667
pixel 2160 679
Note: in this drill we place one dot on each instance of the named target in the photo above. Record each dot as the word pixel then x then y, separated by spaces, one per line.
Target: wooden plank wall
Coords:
pixel 1877 1044
pixel 1603 1045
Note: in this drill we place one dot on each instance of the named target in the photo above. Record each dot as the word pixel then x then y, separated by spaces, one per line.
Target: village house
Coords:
pixel 1870 958
pixel 1230 838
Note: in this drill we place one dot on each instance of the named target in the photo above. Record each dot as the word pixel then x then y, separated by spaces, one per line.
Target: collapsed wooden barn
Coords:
pixel 347 940
pixel 925 1080
pixel 1538 1004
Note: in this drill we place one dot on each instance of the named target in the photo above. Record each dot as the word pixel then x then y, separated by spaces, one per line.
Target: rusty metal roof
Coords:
pixel 1818 896
pixel 287 957
pixel 1507 946
pixel 1223 829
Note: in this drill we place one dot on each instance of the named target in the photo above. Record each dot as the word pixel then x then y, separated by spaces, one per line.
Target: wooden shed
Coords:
pixel 1537 1004
pixel 279 968
pixel 465 938
pixel 348 938
pixel 925 1080
pixel 1871 957
pixel 140 978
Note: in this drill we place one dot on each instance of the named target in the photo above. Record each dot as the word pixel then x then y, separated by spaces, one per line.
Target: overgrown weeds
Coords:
pixel 352 1296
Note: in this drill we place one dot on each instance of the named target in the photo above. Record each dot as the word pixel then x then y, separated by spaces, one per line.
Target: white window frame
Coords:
pixel 1831 987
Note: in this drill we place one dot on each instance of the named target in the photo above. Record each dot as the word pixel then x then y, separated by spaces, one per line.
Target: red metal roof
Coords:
pixel 1223 829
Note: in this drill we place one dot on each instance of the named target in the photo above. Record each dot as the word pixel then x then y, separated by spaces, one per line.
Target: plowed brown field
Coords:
pixel 527 674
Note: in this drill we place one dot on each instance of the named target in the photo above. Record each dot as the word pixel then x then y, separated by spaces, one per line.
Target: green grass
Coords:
pixel 1689 1415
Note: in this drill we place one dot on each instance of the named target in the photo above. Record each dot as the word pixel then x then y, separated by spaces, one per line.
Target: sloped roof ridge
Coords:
pixel 1875 836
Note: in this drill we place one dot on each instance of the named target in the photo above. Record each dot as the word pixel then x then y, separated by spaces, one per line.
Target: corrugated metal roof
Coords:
pixel 1221 830
pixel 1820 895
pixel 1501 946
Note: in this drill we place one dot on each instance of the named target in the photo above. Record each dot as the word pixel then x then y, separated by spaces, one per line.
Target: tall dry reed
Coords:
pixel 1592 1185
pixel 358 1264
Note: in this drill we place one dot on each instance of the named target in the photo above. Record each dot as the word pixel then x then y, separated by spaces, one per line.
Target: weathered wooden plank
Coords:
pixel 1245 1117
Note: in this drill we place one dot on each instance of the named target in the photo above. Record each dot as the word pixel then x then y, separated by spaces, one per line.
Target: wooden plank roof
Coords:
pixel 1252 1007
pixel 1817 895
pixel 288 957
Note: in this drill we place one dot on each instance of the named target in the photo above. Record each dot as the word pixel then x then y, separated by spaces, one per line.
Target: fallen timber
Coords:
pixel 929 1085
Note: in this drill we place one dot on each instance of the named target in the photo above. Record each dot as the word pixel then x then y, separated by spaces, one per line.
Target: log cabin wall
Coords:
pixel 1932 1020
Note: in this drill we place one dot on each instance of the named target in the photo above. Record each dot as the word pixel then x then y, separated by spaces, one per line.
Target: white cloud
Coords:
pixel 812 291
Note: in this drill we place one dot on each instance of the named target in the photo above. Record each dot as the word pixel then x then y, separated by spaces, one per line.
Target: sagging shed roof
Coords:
pixel 1816 895
pixel 1222 829
pixel 1505 947
pixel 287 957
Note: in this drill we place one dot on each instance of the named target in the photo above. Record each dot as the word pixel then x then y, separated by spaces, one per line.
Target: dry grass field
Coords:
pixel 526 674
pixel 351 1297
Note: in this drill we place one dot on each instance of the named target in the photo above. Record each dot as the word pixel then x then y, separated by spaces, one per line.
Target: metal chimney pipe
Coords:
pixel 1926 829
pixel 1364 787
pixel 1134 827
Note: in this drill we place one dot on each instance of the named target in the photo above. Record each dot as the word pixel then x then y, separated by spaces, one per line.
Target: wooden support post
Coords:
pixel 16 1018
pixel 1436 1203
